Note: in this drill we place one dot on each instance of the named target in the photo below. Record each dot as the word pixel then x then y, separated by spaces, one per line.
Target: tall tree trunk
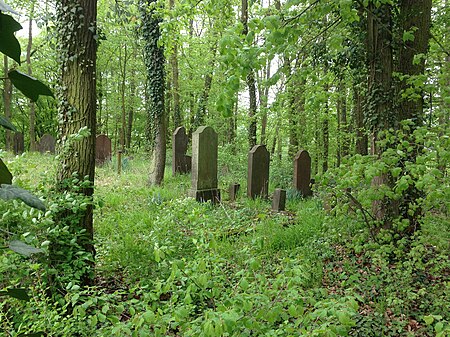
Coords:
pixel 415 16
pixel 204 96
pixel 154 63
pixel 362 141
pixel 32 129
pixel 122 96
pixel 263 89
pixel 177 120
pixel 7 93
pixel 100 101
pixel 251 83
pixel 380 63
pixel 131 105
pixel 325 134
pixel 77 110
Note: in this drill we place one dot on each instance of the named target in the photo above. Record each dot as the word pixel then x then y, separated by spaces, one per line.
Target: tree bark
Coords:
pixel 154 62
pixel 7 93
pixel 32 130
pixel 251 83
pixel 122 96
pixel 263 89
pixel 362 141
pixel 175 81
pixel 414 16
pixel 77 108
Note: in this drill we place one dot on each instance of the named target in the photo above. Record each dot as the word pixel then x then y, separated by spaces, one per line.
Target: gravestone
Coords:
pixel 18 143
pixel 180 162
pixel 204 165
pixel 258 172
pixel 102 149
pixel 47 144
pixel 302 173
pixel 233 190
pixel 279 200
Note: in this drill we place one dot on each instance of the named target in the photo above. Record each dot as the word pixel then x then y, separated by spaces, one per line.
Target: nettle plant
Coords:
pixel 32 89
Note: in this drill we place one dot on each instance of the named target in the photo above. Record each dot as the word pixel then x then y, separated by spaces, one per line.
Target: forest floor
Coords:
pixel 169 266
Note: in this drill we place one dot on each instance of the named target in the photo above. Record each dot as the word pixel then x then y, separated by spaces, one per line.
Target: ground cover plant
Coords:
pixel 169 266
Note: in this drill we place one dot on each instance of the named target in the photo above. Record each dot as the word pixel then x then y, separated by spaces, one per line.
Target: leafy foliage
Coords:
pixel 29 86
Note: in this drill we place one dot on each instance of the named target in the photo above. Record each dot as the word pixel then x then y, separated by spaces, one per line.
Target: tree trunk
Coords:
pixel 251 83
pixel 415 16
pixel 362 140
pixel 77 110
pixel 32 130
pixel 154 63
pixel 122 96
pixel 204 96
pixel 177 120
pixel 131 106
pixel 7 93
pixel 264 99
pixel 325 134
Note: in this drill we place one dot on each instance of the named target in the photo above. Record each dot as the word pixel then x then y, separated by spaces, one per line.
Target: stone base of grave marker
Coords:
pixel 233 190
pixel 212 195
pixel 279 200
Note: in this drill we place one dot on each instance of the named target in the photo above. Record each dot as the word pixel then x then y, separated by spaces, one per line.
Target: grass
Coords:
pixel 169 266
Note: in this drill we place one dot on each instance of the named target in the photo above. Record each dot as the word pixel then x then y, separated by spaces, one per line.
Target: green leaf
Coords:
pixel 35 334
pixel 10 46
pixel 344 318
pixel 5 175
pixel 439 327
pixel 28 85
pixel 23 249
pixel 428 319
pixel 9 192
pixel 19 293
pixel 7 124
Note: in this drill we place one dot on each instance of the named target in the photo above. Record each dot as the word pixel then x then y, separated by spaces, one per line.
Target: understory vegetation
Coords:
pixel 169 266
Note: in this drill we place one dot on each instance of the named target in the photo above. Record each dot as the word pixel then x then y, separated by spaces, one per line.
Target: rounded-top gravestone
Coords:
pixel 102 149
pixel 47 144
pixel 204 165
pixel 258 172
pixel 302 173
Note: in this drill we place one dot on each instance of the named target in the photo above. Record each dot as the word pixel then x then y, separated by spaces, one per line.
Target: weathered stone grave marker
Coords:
pixel 204 165
pixel 47 144
pixel 233 190
pixel 279 200
pixel 302 173
pixel 180 162
pixel 18 143
pixel 258 172
pixel 102 149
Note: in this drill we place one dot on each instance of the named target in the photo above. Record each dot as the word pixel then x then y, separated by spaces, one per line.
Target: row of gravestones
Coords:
pixel 204 168
pixel 47 143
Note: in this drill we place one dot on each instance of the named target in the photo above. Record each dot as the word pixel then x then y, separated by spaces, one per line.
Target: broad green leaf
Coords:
pixel 28 85
pixel 19 293
pixel 9 45
pixel 5 175
pixel 7 124
pixel 23 249
pixel 35 334
pixel 428 319
pixel 9 192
